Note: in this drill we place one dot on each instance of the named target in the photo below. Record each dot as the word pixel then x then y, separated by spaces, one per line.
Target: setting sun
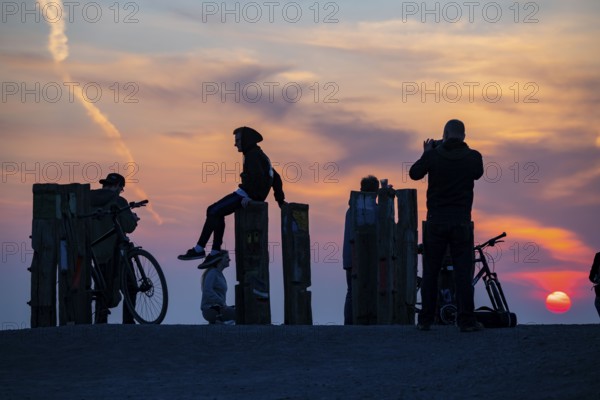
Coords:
pixel 558 302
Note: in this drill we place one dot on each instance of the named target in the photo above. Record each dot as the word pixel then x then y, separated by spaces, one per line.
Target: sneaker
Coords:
pixel 211 260
pixel 423 327
pixel 192 254
pixel 259 289
pixel 226 322
pixel 477 326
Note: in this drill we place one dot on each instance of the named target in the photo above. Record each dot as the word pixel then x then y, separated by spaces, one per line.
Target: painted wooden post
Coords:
pixel 365 258
pixel 60 239
pixel 44 242
pixel 296 264
pixel 252 298
pixel 74 256
pixel 406 242
pixel 385 249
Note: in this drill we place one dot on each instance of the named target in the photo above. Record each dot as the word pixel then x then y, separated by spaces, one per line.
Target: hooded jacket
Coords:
pixel 214 289
pixel 105 199
pixel 453 169
pixel 258 175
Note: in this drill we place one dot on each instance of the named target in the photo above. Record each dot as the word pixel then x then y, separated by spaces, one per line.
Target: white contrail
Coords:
pixel 55 16
pixel 57 44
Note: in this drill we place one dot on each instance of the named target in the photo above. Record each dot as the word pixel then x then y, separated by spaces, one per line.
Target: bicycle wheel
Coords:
pixel 495 296
pixel 144 287
pixel 448 314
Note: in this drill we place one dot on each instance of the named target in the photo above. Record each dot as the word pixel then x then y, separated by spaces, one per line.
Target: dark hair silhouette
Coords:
pixel 454 129
pixel 369 184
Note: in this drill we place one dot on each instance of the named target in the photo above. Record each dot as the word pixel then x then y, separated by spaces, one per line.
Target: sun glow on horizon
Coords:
pixel 558 302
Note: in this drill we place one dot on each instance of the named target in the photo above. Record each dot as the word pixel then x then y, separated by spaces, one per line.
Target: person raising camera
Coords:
pixel 453 169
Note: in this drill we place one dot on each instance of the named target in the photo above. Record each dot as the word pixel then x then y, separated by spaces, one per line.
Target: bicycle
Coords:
pixel 490 279
pixel 447 309
pixel 142 284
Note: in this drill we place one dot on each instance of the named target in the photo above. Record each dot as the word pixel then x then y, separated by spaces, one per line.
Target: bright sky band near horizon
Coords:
pixel 339 90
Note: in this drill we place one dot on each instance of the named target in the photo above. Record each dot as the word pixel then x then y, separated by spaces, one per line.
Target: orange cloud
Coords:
pixel 573 283
pixel 562 244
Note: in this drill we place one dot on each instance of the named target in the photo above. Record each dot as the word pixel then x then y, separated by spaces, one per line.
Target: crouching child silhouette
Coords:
pixel 214 291
pixel 258 177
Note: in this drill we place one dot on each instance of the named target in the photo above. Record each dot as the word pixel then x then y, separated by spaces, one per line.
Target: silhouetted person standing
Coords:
pixel 595 279
pixel 367 184
pixel 453 169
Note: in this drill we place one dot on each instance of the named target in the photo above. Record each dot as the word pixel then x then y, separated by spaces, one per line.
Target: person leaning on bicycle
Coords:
pixel 453 169
pixel 106 252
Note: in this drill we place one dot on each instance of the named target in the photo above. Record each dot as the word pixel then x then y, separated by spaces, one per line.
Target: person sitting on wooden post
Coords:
pixel 214 291
pixel 258 176
pixel 367 184
pixel 106 252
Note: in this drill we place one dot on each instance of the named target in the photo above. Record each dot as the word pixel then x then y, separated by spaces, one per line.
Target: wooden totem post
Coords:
pixel 386 259
pixel 59 238
pixel 296 264
pixel 74 281
pixel 406 242
pixel 45 245
pixel 365 257
pixel 252 298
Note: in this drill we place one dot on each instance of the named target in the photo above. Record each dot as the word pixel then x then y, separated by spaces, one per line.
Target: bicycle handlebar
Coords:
pixel 116 210
pixel 142 203
pixel 492 241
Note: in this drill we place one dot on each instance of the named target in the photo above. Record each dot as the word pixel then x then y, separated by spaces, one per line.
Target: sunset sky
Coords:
pixel 339 90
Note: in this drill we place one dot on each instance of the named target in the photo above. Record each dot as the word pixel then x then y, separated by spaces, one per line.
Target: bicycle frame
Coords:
pixel 124 244
pixel 118 230
pixel 490 279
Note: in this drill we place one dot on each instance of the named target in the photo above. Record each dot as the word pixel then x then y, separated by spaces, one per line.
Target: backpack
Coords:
pixel 495 319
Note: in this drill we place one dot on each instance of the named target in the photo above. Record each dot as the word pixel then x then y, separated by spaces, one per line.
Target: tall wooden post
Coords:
pixel 252 300
pixel 407 242
pixel 365 258
pixel 296 264
pixel 385 249
pixel 74 296
pixel 60 239
pixel 44 242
